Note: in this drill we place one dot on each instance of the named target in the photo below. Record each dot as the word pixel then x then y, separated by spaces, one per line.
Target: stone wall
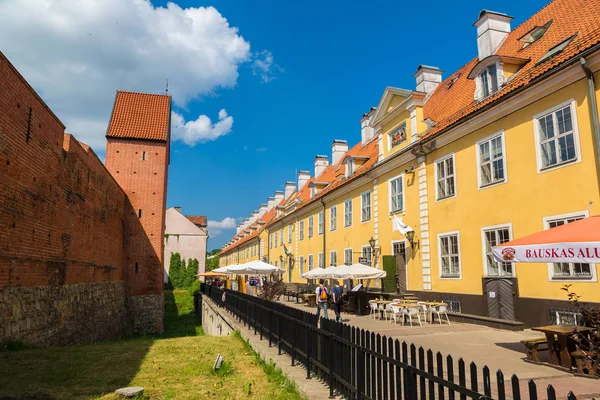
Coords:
pixel 212 322
pixel 64 314
pixel 146 313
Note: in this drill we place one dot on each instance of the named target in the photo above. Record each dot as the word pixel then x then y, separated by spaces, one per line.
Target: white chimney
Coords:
pixel 320 163
pixel 254 216
pixel 262 210
pixel 338 148
pixel 428 78
pixel 238 229
pixel 279 195
pixel 366 130
pixel 271 202
pixel 303 177
pixel 290 188
pixel 492 29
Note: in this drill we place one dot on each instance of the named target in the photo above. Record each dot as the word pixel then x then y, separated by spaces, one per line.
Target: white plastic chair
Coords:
pixel 397 313
pixel 373 309
pixel 388 312
pixel 440 310
pixel 413 311
pixel 423 309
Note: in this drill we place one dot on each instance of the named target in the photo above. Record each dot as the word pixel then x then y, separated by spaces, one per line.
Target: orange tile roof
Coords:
pixel 196 219
pixel 140 116
pixel 450 103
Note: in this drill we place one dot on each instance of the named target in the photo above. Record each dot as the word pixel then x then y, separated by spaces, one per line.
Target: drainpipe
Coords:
pixel 593 112
pixel 324 234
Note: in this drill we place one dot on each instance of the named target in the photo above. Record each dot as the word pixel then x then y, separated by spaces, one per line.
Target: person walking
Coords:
pixel 322 297
pixel 338 301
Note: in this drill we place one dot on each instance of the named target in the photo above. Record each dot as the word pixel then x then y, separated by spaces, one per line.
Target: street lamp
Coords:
pixel 410 235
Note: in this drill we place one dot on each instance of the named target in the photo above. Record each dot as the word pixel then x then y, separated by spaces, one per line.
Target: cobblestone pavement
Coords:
pixel 498 349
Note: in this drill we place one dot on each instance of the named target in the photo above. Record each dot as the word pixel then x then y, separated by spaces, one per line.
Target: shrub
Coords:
pixel 271 291
pixel 175 270
pixel 588 343
pixel 194 287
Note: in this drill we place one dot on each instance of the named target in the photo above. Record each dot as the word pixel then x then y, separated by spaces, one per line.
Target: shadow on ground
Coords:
pixel 88 371
pixel 520 348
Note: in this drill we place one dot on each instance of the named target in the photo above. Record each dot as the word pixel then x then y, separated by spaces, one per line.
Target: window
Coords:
pixel 275 243
pixel 348 256
pixel 321 222
pixel 271 241
pixel 396 194
pixel 366 255
pixel 302 230
pixel 143 155
pixel 569 270
pixel 566 317
pixel 321 260
pixel 453 305
pixel 333 258
pixel 494 237
pixel 310 262
pixel 365 206
pixel 301 265
pixel 290 234
pixel 449 255
pixel 348 213
pixel 489 80
pixel 281 237
pixel 492 166
pixel 140 213
pixel 333 218
pixel 310 226
pixel 275 263
pixel 534 34
pixel 444 175
pixel 349 167
pixel 556 135
pixel 557 49
pixel 313 191
pixel 399 248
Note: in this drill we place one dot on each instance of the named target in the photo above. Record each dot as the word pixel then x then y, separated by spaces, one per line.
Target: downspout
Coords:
pixel 593 112
pixel 324 234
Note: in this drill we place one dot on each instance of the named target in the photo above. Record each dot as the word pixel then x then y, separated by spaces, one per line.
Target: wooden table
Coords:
pixel 557 337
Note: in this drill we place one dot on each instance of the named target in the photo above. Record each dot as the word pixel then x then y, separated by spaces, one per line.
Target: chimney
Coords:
pixel 178 209
pixel 262 210
pixel 366 131
pixel 320 163
pixel 279 195
pixel 428 78
pixel 253 217
pixel 238 229
pixel 338 148
pixel 271 202
pixel 492 29
pixel 303 177
pixel 290 188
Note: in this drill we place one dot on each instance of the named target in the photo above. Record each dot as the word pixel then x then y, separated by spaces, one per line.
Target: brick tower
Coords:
pixel 137 156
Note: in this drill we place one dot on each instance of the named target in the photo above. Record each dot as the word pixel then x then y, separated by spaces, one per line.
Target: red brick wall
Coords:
pixel 61 212
pixel 140 167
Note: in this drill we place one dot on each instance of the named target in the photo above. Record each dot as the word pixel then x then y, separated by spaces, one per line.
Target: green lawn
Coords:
pixel 176 365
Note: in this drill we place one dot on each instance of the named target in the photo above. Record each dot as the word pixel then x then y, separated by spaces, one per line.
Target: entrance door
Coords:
pixel 399 249
pixel 500 299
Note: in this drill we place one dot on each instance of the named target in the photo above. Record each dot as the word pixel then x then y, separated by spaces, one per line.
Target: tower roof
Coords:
pixel 140 116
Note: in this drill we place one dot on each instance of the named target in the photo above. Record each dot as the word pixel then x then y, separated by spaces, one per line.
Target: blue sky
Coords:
pixel 337 58
pixel 259 87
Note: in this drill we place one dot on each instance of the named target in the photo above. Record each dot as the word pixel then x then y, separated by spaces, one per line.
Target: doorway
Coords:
pixel 399 249
pixel 500 298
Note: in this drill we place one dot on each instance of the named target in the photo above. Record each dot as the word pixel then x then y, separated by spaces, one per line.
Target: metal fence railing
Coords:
pixel 359 364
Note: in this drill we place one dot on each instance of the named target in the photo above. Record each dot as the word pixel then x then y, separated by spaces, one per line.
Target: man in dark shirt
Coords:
pixel 338 300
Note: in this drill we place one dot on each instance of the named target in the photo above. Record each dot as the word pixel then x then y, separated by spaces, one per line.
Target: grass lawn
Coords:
pixel 176 365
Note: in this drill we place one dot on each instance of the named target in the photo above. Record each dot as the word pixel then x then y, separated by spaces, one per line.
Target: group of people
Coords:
pixel 337 298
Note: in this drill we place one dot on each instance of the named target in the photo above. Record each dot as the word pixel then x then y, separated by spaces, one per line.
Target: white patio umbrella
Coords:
pixel 254 268
pixel 223 270
pixel 358 271
pixel 314 273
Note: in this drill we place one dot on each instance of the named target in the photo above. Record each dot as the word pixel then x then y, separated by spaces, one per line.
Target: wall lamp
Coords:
pixel 373 248
pixel 410 235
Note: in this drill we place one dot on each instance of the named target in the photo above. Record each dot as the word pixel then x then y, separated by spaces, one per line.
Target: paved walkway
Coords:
pixel 498 349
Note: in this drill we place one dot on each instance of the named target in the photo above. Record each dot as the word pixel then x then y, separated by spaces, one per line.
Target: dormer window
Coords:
pixel 534 34
pixel 557 49
pixel 349 167
pixel 313 191
pixel 489 80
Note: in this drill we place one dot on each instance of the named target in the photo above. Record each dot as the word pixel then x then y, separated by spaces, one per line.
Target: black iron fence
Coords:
pixel 359 364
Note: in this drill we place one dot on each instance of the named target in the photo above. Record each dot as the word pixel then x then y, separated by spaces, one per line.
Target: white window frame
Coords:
pixel 333 218
pixel 311 262
pixel 490 77
pixel 362 253
pixel 484 256
pixel 301 230
pixel 301 260
pixel 321 260
pixel 349 167
pixel 351 255
pixel 439 244
pixel 478 161
pixel 289 233
pixel 435 164
pixel 401 177
pixel 332 258
pixel 536 131
pixel 363 206
pixel 270 240
pixel 275 241
pixel 547 220
pixel 346 213
pixel 281 237
pixel 321 222
pixel 311 226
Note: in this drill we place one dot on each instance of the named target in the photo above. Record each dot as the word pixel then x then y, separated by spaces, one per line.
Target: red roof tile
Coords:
pixel 198 220
pixel 140 116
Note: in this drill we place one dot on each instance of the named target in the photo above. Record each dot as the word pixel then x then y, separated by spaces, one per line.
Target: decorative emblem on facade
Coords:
pixel 398 135
pixel 508 254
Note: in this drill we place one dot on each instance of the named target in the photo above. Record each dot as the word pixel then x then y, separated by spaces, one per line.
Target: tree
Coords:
pixel 212 259
pixel 190 272
pixel 175 271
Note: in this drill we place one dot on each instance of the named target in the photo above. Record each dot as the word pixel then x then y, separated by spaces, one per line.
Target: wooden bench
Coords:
pixel 532 346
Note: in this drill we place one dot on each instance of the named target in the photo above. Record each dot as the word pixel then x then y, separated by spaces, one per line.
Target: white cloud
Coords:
pixel 76 57
pixel 216 227
pixel 264 66
pixel 201 130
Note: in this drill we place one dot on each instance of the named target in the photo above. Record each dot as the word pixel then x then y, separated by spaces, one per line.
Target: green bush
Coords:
pixel 194 287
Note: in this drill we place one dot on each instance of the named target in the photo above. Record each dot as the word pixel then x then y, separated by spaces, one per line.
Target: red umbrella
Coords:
pixel 575 242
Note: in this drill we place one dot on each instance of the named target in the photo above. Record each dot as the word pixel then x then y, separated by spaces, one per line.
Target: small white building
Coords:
pixel 186 235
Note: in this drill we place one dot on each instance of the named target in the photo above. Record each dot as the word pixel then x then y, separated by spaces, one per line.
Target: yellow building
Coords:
pixel 502 148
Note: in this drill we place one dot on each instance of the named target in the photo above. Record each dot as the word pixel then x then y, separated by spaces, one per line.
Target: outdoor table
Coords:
pixel 382 302
pixel 557 337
